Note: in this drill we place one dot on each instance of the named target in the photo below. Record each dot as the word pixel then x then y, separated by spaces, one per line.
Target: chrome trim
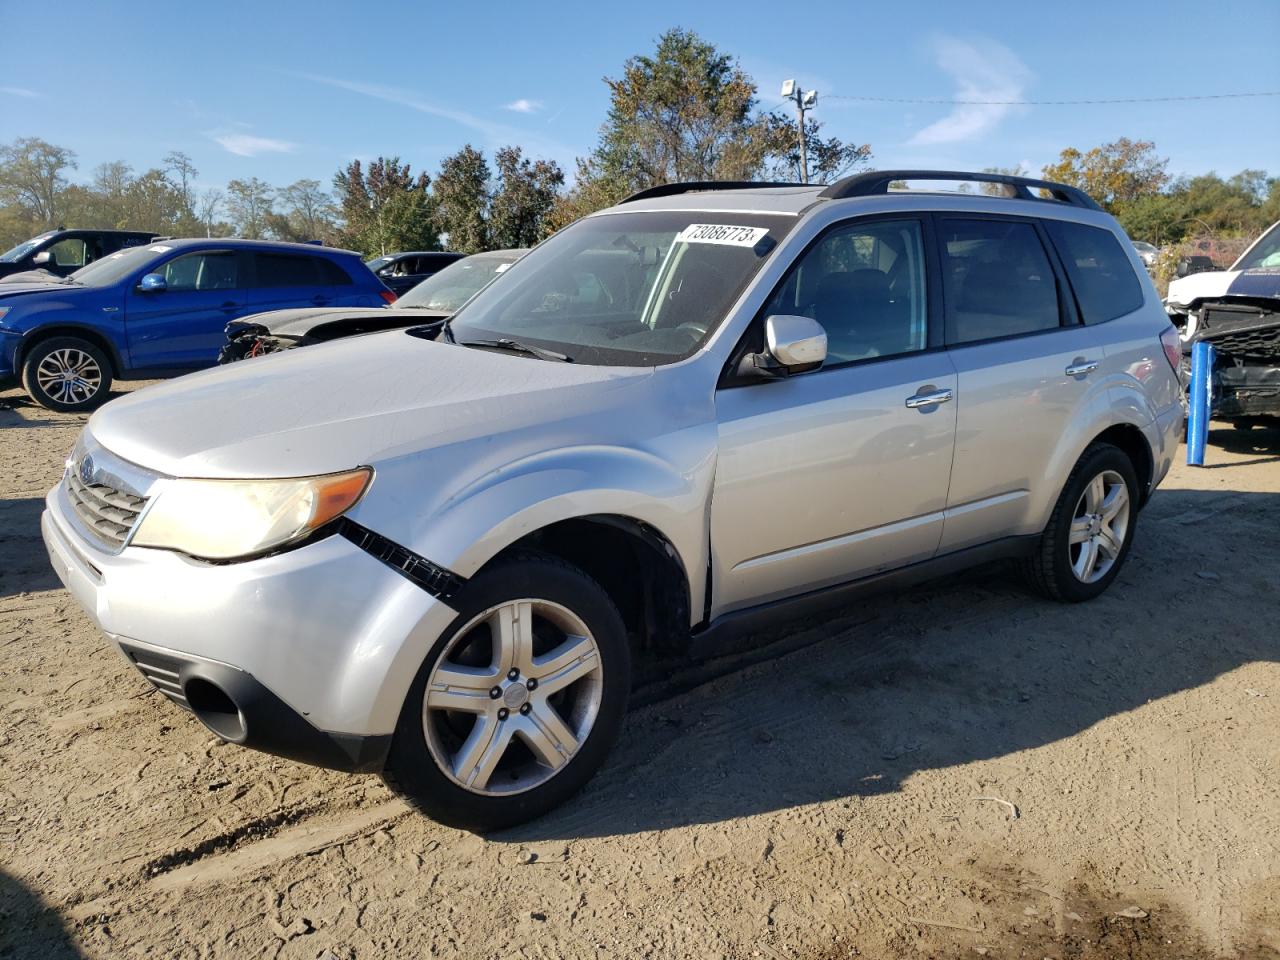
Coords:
pixel 95 465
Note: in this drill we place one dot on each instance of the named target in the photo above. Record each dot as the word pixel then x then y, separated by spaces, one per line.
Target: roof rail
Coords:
pixel 693 186
pixel 877 182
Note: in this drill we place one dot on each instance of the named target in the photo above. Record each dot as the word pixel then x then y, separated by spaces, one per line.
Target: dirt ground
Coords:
pixel 843 799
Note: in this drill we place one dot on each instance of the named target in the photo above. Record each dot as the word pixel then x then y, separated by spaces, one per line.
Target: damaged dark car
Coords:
pixel 1238 311
pixel 431 302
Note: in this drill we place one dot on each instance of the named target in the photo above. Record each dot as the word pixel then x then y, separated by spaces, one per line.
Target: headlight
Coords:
pixel 232 519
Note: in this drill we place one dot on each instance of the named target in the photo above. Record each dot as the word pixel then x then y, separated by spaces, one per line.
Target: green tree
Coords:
pixel 689 112
pixel 461 195
pixel 305 212
pixel 33 174
pixel 1114 173
pixel 526 193
pixel 249 205
pixel 385 208
pixel 829 158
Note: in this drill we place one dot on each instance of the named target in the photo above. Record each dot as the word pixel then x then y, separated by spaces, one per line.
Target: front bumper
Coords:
pixel 319 644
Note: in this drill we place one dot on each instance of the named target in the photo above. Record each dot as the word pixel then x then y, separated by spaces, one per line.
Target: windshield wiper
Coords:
pixel 515 346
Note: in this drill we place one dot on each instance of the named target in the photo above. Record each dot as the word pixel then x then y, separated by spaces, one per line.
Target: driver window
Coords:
pixel 69 252
pixel 865 284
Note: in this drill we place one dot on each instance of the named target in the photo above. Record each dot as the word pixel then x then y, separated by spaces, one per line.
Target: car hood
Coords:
pixel 297 322
pixel 337 405
pixel 10 290
pixel 1215 284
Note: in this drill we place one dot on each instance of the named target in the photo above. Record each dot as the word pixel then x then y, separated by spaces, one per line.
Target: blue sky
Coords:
pixel 282 89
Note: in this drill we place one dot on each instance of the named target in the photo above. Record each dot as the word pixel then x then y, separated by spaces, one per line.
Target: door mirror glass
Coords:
pixel 42 259
pixel 153 283
pixel 794 343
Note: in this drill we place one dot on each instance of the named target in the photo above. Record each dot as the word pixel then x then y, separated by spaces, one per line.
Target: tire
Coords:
pixel 1061 569
pixel 475 754
pixel 46 369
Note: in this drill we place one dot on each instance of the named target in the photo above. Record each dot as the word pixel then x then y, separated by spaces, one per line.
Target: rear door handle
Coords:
pixel 1082 368
pixel 929 399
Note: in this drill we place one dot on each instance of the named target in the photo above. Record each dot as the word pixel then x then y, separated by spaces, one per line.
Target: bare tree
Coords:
pixel 207 209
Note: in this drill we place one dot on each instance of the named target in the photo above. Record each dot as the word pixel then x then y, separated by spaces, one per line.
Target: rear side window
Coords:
pixel 331 274
pixel 1100 273
pixel 997 280
pixel 281 270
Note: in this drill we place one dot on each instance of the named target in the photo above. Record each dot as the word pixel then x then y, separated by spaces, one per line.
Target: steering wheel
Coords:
pixel 694 329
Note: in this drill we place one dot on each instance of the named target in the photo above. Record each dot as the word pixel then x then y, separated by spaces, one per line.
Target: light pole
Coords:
pixel 804 100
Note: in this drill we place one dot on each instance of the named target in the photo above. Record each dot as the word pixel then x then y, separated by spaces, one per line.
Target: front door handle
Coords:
pixel 929 399
pixel 1081 368
pixel 229 306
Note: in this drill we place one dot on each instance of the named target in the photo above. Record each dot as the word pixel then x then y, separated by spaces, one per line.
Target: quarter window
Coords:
pixel 996 279
pixel 1099 270
pixel 202 271
pixel 865 284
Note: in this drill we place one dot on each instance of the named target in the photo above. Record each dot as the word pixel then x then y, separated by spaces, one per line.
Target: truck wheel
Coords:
pixel 67 374
pixel 1091 529
pixel 518 703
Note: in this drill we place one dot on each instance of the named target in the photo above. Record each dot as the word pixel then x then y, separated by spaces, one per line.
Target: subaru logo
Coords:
pixel 86 470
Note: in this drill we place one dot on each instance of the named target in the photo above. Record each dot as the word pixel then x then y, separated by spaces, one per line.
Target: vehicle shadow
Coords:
pixel 24 565
pixel 29 927
pixel 953 672
pixel 1259 440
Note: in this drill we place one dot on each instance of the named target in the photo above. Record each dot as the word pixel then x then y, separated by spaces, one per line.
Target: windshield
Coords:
pixel 453 286
pixel 626 289
pixel 22 249
pixel 104 272
pixel 1264 253
pixel 377 263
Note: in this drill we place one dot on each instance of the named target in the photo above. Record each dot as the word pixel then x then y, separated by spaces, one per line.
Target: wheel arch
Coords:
pixel 1133 443
pixel 633 561
pixel 39 335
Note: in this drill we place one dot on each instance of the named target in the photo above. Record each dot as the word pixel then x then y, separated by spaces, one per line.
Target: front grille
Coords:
pixel 162 672
pixel 107 512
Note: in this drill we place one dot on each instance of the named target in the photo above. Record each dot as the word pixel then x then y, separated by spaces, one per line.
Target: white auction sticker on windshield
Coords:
pixel 722 233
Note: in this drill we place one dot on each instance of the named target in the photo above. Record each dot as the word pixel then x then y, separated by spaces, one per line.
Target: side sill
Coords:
pixel 721 635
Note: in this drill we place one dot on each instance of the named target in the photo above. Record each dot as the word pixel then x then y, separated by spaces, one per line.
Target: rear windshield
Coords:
pixel 453 286
pixel 626 289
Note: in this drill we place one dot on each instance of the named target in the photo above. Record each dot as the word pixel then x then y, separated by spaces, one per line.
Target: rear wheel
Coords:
pixel 1091 529
pixel 517 705
pixel 67 374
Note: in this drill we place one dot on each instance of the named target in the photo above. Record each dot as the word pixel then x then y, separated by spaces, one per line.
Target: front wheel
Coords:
pixel 518 704
pixel 1091 529
pixel 66 374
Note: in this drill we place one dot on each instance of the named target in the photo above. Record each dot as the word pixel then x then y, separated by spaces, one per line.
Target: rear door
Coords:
pixel 1026 369
pixel 285 280
pixel 181 326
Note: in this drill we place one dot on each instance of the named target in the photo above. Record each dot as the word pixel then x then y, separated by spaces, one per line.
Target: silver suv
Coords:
pixel 437 553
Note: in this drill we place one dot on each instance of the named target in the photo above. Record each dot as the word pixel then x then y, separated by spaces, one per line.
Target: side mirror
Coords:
pixel 42 259
pixel 153 283
pixel 793 344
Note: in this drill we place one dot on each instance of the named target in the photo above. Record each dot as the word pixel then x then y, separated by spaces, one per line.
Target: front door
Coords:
pixel 181 327
pixel 843 472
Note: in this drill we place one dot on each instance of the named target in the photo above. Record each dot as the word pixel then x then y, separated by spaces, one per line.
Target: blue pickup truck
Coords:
pixel 159 310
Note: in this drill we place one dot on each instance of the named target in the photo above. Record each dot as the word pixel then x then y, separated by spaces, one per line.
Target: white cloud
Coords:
pixel 247 145
pixel 524 106
pixel 19 92
pixel 982 70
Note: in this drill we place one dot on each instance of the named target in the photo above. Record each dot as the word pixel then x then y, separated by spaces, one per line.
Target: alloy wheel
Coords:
pixel 69 375
pixel 1099 526
pixel 513 697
